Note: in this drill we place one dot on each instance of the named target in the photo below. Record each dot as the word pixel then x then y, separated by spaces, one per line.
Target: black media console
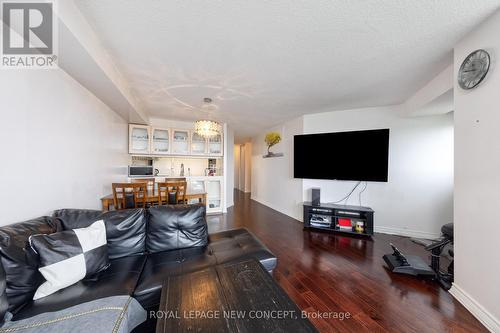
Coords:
pixel 354 220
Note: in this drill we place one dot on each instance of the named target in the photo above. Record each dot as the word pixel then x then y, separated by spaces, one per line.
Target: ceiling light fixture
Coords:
pixel 207 128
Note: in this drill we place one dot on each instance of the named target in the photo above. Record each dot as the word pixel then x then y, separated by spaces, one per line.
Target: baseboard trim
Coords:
pixel 405 232
pixel 477 310
pixel 282 211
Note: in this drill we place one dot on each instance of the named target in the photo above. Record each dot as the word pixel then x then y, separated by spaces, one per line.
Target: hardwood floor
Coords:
pixel 327 273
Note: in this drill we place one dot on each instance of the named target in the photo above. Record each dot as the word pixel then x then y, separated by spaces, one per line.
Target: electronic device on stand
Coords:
pixel 316 196
pixel 345 219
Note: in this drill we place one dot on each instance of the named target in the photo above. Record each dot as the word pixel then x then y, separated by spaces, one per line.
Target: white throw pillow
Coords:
pixel 68 256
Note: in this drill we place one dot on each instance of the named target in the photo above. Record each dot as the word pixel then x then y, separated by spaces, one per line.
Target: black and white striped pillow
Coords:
pixel 69 256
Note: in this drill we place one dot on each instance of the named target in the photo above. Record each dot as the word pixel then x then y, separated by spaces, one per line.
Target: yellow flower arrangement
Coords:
pixel 272 138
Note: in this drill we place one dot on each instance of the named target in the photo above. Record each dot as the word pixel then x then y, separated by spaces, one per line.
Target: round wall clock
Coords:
pixel 474 69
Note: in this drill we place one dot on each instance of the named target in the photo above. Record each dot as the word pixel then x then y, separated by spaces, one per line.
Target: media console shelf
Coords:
pixel 354 220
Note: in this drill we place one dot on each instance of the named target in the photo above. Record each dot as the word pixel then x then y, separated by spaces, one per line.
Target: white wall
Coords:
pixel 168 123
pixel 83 56
pixel 241 183
pixel 272 178
pixel 236 157
pixel 477 179
pixel 416 201
pixel 248 167
pixel 229 166
pixel 418 198
pixel 61 146
pixel 243 167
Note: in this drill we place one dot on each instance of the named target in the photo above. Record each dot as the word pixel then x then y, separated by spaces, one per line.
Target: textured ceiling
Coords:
pixel 264 62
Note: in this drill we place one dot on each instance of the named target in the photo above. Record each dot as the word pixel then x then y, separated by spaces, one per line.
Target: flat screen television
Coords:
pixel 358 155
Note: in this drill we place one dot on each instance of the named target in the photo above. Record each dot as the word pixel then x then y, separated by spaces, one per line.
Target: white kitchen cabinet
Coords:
pixel 214 195
pixel 180 142
pixel 139 139
pixel 215 145
pixel 160 143
pixel 196 186
pixel 148 140
pixel 198 144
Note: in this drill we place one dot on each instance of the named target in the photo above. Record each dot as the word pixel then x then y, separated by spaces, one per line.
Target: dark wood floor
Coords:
pixel 327 273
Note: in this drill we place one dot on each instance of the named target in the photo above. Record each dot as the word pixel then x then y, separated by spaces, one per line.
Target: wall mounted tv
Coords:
pixel 359 155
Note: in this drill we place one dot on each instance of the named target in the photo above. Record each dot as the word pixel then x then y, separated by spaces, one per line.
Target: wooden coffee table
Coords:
pixel 233 297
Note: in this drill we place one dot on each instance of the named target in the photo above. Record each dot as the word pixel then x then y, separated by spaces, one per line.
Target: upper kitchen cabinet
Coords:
pixel 215 145
pixel 139 139
pixel 180 142
pixel 160 144
pixel 149 140
pixel 198 144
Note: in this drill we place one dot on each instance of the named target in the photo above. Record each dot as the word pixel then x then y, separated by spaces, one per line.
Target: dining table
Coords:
pixel 152 197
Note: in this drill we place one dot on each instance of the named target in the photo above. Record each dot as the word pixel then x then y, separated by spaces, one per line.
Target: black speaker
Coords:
pixel 316 194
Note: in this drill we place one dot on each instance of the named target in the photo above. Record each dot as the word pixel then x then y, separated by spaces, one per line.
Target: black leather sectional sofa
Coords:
pixel 144 247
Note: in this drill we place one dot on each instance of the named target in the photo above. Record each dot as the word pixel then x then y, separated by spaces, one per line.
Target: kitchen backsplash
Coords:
pixel 166 165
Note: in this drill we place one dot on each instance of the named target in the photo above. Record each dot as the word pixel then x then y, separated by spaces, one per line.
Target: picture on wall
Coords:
pixel 271 139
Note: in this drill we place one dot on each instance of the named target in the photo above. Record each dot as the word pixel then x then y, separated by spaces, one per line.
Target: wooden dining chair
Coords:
pixel 129 195
pixel 181 191
pixel 171 193
pixel 171 180
pixel 150 186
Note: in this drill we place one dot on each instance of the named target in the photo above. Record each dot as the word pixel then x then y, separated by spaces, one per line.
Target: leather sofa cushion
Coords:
pixel 175 227
pixel 22 276
pixel 76 218
pixel 240 244
pixel 119 279
pixel 125 229
pixel 163 264
pixel 4 303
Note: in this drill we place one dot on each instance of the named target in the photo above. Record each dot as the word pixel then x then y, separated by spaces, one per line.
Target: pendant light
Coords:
pixel 207 128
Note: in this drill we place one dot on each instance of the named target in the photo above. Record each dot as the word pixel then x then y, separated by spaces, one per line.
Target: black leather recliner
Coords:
pixel 144 247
